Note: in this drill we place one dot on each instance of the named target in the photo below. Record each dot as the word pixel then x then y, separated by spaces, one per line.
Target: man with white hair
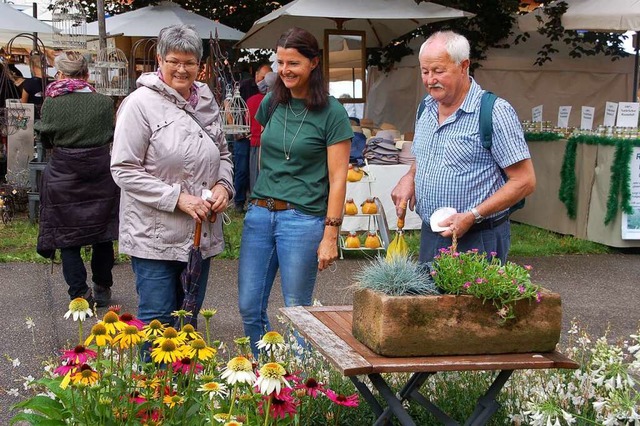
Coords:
pixel 453 168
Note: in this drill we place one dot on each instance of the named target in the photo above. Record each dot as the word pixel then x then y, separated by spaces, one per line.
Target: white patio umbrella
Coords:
pixel 595 15
pixel 14 21
pixel 382 20
pixel 148 21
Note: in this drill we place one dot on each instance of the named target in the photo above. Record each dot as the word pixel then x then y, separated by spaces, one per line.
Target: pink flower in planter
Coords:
pixel 467 284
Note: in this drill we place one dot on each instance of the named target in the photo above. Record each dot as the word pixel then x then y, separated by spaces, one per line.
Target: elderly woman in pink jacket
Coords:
pixel 168 148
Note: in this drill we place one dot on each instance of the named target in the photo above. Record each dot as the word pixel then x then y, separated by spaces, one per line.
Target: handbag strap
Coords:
pixel 202 126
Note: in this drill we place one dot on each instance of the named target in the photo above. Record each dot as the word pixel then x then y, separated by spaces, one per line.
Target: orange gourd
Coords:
pixel 369 206
pixel 352 241
pixel 350 207
pixel 372 241
pixel 354 174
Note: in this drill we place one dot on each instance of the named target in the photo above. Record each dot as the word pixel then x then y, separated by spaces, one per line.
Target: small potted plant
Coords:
pixel 461 304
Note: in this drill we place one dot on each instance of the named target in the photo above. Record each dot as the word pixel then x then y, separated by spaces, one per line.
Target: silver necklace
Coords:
pixel 287 154
pixel 297 114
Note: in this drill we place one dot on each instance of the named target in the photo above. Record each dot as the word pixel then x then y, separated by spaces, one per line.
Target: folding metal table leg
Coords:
pixel 415 382
pixel 393 403
pixel 367 395
pixel 487 404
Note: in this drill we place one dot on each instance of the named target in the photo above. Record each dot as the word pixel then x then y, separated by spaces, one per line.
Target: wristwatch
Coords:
pixel 477 216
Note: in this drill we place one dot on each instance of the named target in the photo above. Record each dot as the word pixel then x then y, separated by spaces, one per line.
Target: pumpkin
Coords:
pixel 354 174
pixel 372 241
pixel 352 241
pixel 369 206
pixel 350 207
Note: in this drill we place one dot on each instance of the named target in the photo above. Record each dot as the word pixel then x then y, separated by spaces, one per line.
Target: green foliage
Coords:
pixel 531 241
pixel 476 274
pixel 398 276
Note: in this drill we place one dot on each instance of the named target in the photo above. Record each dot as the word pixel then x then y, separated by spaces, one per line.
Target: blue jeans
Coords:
pixel 241 170
pixel 160 290
pixel 287 240
pixel 496 240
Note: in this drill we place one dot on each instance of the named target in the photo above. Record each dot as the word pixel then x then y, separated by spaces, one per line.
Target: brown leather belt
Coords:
pixel 272 204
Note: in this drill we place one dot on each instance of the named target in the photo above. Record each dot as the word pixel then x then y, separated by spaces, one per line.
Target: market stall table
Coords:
pixel 328 328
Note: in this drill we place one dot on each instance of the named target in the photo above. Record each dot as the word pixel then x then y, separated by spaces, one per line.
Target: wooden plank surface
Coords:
pixel 331 333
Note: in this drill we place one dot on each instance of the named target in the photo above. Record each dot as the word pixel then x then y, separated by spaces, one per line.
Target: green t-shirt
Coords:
pixel 303 179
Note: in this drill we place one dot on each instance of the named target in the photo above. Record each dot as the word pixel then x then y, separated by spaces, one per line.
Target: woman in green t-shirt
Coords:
pixel 295 212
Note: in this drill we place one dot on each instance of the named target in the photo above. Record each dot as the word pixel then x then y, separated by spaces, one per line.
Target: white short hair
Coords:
pixel 456 45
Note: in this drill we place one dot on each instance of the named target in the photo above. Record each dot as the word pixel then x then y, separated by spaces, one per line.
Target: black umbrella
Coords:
pixel 189 279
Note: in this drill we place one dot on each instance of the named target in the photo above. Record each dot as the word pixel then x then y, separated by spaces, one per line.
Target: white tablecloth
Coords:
pixel 379 183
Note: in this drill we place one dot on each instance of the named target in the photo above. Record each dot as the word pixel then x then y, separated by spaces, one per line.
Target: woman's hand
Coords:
pixel 327 252
pixel 219 198
pixel 194 206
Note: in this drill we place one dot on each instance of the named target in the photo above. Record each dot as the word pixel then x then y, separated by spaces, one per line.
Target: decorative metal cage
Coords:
pixel 69 20
pixel 236 113
pixel 111 72
pixel 143 58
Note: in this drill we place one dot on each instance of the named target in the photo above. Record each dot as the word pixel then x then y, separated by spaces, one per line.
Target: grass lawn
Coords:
pixel 18 241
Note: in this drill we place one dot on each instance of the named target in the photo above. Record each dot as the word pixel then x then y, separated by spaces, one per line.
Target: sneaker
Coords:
pixel 102 295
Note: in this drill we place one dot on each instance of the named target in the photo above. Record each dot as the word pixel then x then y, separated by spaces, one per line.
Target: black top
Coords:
pixel 33 86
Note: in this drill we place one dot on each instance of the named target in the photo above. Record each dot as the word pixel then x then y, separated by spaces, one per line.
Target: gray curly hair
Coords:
pixel 179 38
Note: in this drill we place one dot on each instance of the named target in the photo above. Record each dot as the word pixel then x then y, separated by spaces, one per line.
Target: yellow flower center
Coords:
pixel 198 344
pixel 155 325
pixel 110 317
pixel 170 333
pixel 99 330
pixel 78 305
pixel 273 337
pixel 239 363
pixel 188 328
pixel 168 346
pixel 272 370
pixel 131 330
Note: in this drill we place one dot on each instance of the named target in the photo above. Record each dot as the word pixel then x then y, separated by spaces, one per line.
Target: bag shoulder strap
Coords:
pixel 421 107
pixel 202 126
pixel 486 118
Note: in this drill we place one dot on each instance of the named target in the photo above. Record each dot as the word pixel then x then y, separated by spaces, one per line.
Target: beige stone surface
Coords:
pixel 453 325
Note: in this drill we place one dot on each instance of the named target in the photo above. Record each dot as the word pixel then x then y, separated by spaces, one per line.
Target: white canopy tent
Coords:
pixel 382 20
pixel 148 21
pixel 511 74
pixel 14 22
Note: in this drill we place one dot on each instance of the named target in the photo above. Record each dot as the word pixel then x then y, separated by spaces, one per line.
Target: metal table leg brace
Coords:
pixel 484 410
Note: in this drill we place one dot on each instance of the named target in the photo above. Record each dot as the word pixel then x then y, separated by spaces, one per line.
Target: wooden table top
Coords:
pixel 329 329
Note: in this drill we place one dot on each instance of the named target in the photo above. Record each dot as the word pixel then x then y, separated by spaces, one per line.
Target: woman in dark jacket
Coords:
pixel 78 198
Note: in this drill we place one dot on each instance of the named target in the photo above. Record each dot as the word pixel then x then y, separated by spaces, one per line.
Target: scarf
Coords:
pixel 66 86
pixel 193 96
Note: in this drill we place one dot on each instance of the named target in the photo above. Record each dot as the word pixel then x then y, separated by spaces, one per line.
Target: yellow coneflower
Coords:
pixel 79 308
pixel 153 330
pixel 173 400
pixel 99 333
pixel 239 370
pixel 85 376
pixel 208 313
pixel 213 389
pixel 128 337
pixel 199 350
pixel 167 352
pixel 271 378
pixel 189 333
pixel 112 322
pixel 233 423
pixel 169 333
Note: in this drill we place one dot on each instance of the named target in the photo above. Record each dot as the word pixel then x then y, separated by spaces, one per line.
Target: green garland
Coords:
pixel 542 136
pixel 619 194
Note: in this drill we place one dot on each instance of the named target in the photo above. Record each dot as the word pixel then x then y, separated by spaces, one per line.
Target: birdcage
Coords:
pixel 111 72
pixel 143 58
pixel 70 22
pixel 236 113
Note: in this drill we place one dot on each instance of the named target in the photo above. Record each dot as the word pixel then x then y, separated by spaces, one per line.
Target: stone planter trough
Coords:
pixel 402 326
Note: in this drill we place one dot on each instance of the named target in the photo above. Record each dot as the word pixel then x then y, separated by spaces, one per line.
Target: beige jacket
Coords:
pixel 158 152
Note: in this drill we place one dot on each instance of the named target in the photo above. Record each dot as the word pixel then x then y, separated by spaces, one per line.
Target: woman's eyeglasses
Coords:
pixel 188 66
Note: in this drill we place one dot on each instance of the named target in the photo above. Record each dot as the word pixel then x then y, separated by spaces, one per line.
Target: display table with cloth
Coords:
pixel 328 328
pixel 379 182
pixel 544 209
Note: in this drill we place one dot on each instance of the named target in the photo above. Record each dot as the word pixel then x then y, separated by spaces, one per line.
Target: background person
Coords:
pixel 162 160
pixel 78 197
pixel 452 168
pixel 242 144
pixel 33 87
pixel 253 103
pixel 295 212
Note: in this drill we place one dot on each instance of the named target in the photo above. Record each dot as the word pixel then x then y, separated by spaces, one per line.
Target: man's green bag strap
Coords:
pixel 486 129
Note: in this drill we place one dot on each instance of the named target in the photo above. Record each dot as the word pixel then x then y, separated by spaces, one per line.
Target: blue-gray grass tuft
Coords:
pixel 398 276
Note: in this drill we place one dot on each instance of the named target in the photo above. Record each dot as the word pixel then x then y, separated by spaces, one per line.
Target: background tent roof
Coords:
pixel 14 21
pixel 148 21
pixel 382 20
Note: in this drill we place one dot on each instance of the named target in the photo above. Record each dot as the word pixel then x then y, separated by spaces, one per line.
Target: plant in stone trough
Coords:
pixel 476 274
pixel 397 276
